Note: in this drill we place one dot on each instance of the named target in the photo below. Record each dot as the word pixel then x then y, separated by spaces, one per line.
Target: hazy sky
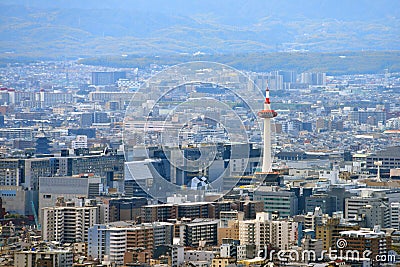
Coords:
pixel 213 26
pixel 341 9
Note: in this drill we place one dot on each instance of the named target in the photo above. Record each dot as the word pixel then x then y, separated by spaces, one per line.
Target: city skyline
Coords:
pixel 199 133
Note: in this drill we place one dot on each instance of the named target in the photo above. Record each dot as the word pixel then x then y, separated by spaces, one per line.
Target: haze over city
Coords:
pixel 199 133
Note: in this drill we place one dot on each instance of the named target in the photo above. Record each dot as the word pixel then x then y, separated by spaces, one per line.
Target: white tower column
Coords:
pixel 267 161
pixel 267 114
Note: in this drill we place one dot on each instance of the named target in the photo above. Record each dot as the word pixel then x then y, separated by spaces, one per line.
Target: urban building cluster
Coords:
pixel 73 194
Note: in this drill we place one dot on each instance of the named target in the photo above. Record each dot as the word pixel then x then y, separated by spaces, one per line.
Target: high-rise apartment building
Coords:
pixel 195 210
pixel 283 234
pixel 110 241
pixel 313 78
pixel 68 224
pixel 263 231
pixel 48 99
pixel 199 232
pixel 247 230
pixel 117 97
pixel 37 99
pixel 158 212
pixel 16 133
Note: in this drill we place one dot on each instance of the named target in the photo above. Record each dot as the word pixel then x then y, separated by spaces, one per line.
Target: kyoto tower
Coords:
pixel 267 114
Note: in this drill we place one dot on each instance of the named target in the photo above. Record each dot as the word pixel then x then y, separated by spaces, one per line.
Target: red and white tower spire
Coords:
pixel 267 114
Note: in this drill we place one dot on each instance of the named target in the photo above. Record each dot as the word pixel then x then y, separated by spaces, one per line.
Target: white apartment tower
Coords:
pixel 283 234
pixel 68 224
pixel 262 227
pixel 263 230
pixel 247 232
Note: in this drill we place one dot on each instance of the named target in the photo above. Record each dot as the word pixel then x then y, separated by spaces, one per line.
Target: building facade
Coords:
pixel 283 202
pixel 111 241
pixel 68 224
pixel 54 258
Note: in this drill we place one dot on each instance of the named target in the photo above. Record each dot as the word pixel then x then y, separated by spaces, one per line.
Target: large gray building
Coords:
pixel 389 157
pixel 51 188
pixel 18 200
pixel 368 207
pixel 107 78
pixel 19 182
pixel 19 178
pixel 327 203
pixel 368 117
pixel 110 166
pixel 281 201
pixel 25 172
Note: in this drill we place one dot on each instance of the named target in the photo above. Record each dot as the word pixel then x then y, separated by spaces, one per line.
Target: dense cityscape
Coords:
pixel 152 133
pixel 71 194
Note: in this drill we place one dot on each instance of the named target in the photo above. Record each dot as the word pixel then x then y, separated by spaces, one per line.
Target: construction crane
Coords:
pixel 38 226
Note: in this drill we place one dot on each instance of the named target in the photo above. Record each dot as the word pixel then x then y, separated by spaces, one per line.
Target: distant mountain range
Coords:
pixel 71 29
pixel 334 63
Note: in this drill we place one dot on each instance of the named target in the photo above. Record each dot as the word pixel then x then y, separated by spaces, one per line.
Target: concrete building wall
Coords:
pixel 68 224
pixel 198 255
pixel 393 216
pixel 16 200
pixel 55 258
pixel 283 234
pixel 231 231
pixel 247 232
pixel 284 202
